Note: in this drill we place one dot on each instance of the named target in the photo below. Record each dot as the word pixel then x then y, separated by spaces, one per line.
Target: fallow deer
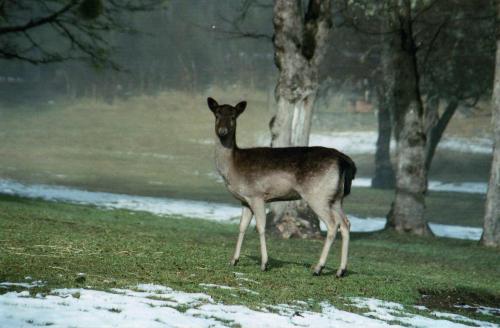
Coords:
pixel 321 176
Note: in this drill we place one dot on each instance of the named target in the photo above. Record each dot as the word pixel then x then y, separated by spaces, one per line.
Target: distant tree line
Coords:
pixel 125 48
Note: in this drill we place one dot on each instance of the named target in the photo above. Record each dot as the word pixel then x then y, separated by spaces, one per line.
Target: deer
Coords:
pixel 320 176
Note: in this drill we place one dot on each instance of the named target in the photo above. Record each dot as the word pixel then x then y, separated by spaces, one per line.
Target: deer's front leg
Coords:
pixel 259 211
pixel 246 217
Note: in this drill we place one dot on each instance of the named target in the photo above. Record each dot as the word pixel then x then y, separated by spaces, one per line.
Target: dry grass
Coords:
pixel 162 145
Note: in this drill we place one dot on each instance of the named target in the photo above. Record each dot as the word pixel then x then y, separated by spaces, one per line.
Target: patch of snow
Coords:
pixel 362 182
pixel 37 283
pixel 149 305
pixel 421 307
pixel 463 319
pixel 390 311
pixel 195 209
pixel 159 206
pixel 467 145
pixel 463 187
pixel 355 142
pixel 480 309
pixel 349 142
pixel 458 232
pixel 362 224
pixel 441 230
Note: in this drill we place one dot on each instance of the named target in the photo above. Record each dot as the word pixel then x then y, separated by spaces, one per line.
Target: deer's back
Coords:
pixel 301 162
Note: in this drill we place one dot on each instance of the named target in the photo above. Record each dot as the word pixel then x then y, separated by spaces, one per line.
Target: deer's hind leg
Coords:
pixel 345 226
pixel 322 210
pixel 246 217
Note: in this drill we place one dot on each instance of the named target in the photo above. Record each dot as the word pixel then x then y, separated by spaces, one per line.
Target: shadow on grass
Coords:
pixel 274 263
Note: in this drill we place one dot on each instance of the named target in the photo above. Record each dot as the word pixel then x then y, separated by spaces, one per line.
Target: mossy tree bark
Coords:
pixel 407 210
pixel 300 40
pixel 491 232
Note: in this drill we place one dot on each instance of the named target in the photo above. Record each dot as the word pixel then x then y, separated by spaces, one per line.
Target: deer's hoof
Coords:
pixel 234 262
pixel 341 273
pixel 317 271
pixel 263 267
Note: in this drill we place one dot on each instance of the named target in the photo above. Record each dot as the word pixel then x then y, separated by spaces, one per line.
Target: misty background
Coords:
pixel 139 123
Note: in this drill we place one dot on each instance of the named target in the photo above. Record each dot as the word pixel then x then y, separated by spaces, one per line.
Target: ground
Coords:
pixel 162 146
pixel 55 242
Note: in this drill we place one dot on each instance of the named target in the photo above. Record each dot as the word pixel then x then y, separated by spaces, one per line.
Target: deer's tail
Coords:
pixel 348 171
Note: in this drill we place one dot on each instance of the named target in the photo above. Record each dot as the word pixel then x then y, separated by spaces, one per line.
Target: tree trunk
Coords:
pixel 300 44
pixel 384 173
pixel 435 131
pixel 407 210
pixel 491 232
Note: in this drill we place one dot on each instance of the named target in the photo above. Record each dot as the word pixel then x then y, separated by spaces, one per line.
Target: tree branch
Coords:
pixel 40 21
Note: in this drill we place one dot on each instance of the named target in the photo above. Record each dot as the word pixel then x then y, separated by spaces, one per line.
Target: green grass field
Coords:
pixel 54 242
pixel 160 146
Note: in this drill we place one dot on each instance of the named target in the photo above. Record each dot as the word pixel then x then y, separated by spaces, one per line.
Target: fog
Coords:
pixel 134 119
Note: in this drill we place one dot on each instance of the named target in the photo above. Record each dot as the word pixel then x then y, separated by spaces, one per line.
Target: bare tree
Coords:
pixel 491 232
pixel 81 27
pixel 407 210
pixel 384 173
pixel 300 43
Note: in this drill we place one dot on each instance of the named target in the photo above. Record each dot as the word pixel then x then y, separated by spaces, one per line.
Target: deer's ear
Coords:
pixel 240 108
pixel 212 104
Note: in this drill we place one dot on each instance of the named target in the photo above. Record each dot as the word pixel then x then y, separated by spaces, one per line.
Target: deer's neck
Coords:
pixel 224 150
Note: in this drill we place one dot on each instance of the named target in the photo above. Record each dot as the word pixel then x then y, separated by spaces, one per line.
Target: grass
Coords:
pixel 54 242
pixel 160 146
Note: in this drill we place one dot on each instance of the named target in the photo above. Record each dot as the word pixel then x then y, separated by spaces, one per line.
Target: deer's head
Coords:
pixel 225 117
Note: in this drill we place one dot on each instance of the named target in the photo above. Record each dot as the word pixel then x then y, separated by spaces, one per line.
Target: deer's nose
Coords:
pixel 223 131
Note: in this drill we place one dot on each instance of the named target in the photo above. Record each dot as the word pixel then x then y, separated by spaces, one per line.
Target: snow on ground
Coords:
pixel 463 187
pixel 458 232
pixel 7 285
pixel 195 209
pixel 480 309
pixel 149 305
pixel 466 187
pixel 365 143
pixel 390 311
pixel 160 206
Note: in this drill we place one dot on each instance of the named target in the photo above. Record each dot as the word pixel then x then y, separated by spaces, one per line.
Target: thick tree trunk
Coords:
pixel 491 232
pixel 407 211
pixel 384 173
pixel 300 45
